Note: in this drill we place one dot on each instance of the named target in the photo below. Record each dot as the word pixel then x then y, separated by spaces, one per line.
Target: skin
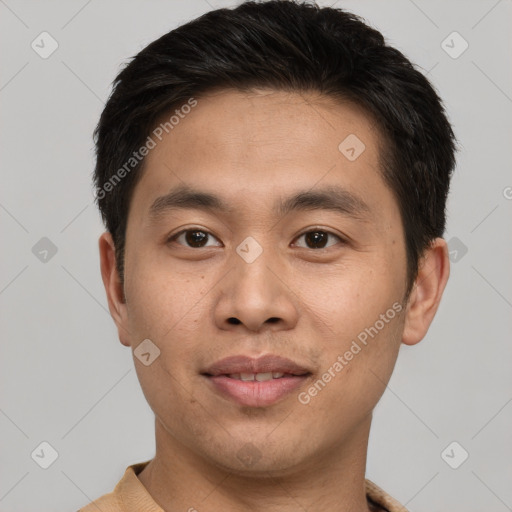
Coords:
pixel 252 149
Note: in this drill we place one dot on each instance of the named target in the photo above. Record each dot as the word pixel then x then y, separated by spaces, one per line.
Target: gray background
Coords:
pixel 67 380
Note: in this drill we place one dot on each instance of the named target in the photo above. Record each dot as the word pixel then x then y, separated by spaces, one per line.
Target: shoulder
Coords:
pixel 128 495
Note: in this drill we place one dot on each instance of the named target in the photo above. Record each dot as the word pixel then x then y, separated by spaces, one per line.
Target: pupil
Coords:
pixel 194 238
pixel 316 238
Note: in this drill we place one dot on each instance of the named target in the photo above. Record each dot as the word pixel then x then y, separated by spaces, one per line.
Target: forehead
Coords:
pixel 251 145
pixel 266 123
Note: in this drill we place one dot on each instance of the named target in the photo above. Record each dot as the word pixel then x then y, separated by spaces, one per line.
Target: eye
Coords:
pixel 193 238
pixel 317 239
pixel 198 238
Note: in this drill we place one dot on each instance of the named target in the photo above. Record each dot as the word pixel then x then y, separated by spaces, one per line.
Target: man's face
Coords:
pixel 303 283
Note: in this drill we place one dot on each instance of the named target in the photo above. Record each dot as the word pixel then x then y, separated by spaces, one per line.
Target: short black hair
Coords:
pixel 290 46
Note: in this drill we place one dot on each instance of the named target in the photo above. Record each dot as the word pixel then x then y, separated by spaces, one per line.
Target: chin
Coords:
pixel 258 459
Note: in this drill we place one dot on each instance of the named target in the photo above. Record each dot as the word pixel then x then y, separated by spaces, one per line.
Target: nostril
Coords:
pixel 234 321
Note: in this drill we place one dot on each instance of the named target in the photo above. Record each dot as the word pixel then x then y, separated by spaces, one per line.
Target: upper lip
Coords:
pixel 263 364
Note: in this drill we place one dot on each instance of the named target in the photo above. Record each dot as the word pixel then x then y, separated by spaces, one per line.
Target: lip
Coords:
pixel 255 393
pixel 262 364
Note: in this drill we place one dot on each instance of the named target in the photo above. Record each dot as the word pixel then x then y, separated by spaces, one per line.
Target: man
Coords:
pixel 273 180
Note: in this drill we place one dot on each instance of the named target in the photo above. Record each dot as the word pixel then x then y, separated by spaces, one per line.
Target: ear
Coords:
pixel 428 288
pixel 113 286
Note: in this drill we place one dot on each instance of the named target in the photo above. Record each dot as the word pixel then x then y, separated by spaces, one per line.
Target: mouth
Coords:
pixel 259 377
pixel 256 382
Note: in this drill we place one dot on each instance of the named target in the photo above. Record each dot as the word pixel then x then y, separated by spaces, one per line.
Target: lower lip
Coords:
pixel 256 394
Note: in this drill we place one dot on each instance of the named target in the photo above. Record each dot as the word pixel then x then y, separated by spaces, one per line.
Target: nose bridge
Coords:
pixel 252 293
pixel 250 261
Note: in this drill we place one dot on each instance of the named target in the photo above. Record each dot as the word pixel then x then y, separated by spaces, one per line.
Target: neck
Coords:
pixel 178 479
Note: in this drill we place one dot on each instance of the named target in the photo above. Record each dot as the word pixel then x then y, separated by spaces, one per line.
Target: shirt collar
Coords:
pixel 135 497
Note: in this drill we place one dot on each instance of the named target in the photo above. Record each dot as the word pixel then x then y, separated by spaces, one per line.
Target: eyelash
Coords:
pixel 172 238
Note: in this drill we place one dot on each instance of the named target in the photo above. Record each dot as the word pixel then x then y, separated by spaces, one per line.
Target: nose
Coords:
pixel 255 296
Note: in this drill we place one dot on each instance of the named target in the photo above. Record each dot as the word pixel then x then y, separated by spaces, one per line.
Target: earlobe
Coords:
pixel 113 286
pixel 433 273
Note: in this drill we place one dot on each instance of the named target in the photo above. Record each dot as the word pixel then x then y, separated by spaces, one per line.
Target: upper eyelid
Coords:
pixel 319 228
pixel 175 235
pixel 342 239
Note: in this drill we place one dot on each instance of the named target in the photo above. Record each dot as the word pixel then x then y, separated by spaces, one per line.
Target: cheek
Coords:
pixel 359 320
pixel 164 308
pixel 345 299
pixel 172 308
pixel 162 300
pixel 167 392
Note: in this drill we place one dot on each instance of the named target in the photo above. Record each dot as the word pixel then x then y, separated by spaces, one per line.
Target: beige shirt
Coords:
pixel 130 495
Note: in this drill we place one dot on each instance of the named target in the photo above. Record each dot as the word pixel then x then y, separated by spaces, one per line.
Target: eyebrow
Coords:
pixel 331 198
